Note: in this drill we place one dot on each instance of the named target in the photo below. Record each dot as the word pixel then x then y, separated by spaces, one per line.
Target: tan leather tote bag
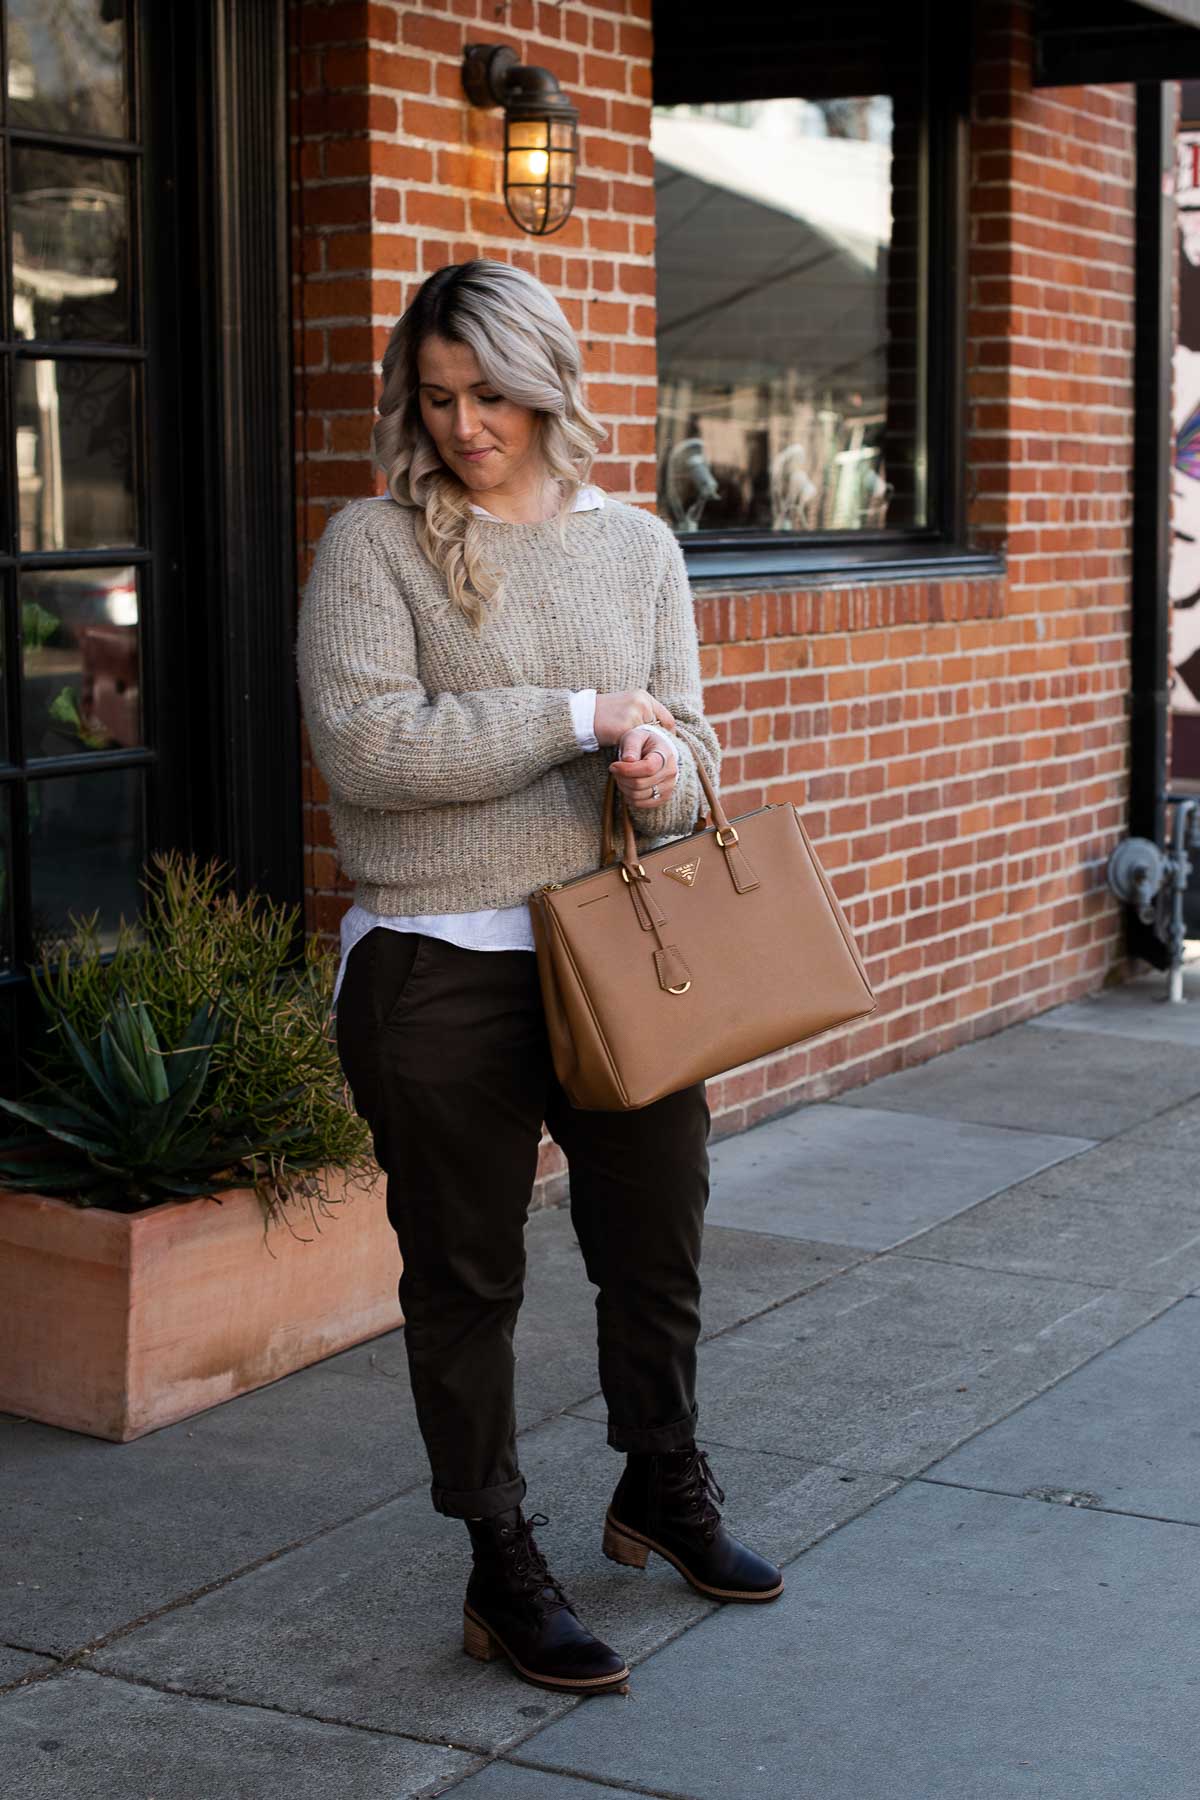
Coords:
pixel 662 970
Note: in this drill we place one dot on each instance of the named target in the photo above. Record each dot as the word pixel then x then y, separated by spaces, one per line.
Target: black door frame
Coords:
pixel 223 462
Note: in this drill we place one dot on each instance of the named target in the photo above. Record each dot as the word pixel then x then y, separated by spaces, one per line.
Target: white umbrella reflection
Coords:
pixel 772 330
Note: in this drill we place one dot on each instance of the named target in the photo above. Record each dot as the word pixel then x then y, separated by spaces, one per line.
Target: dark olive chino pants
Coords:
pixel 446 1053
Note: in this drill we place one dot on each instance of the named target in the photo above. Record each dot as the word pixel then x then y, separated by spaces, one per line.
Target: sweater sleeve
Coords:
pixel 675 680
pixel 377 737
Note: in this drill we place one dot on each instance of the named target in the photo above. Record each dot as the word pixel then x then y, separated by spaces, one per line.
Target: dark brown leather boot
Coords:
pixel 668 1503
pixel 515 1605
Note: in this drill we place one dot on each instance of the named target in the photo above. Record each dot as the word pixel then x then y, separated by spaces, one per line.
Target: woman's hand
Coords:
pixel 617 714
pixel 647 769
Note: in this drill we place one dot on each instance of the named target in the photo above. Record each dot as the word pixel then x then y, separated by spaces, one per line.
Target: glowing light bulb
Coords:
pixel 538 164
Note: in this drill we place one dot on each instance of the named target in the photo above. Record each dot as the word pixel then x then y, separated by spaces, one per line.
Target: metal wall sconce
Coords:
pixel 541 135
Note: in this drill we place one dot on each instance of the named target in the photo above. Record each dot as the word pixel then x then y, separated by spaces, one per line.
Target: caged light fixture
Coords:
pixel 541 135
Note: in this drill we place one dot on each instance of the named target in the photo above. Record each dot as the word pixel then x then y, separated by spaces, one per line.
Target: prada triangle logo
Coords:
pixel 684 872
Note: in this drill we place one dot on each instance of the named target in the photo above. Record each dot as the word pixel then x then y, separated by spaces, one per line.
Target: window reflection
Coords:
pixel 788 316
pixel 79 661
pixel 75 462
pixel 66 65
pixel 70 245
pixel 87 842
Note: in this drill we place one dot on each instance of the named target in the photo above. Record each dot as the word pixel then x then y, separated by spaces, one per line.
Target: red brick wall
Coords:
pixel 959 748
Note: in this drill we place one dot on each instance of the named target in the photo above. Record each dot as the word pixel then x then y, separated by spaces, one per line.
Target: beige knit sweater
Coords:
pixel 455 776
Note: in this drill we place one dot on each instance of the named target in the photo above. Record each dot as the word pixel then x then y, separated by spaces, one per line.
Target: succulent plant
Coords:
pixel 130 1129
pixel 196 1053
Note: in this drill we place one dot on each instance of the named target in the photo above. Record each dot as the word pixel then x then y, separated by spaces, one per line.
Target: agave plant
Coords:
pixel 129 1130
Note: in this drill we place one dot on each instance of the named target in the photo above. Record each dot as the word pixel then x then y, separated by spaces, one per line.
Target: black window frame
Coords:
pixel 21 1026
pixel 940 547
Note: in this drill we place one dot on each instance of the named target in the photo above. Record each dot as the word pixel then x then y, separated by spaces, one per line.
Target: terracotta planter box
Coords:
pixel 116 1323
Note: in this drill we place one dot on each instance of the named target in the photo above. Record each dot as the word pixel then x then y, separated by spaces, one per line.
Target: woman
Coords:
pixel 477 650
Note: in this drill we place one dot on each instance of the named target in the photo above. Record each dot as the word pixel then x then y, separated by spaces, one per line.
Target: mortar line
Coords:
pixel 849 1105
pixel 31 1676
pixel 1032 1183
pixel 1114 1137
pixel 1093 1145
pixel 486 1756
pixel 288 1712
pixel 211 1587
pixel 1113 1512
pixel 618 1782
pixel 956 1262
pixel 1002 1191
pixel 1032 1399
pixel 1087 1144
pixel 950 1262
pixel 901 1479
pixel 1088 1147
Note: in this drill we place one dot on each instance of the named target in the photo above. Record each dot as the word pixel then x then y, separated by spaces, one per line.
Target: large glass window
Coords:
pixel 74 560
pixel 792 264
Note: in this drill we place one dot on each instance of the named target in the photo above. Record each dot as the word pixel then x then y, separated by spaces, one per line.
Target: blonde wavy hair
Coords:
pixel 528 352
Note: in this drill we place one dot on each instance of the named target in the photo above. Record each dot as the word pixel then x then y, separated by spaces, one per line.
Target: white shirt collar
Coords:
pixel 586 500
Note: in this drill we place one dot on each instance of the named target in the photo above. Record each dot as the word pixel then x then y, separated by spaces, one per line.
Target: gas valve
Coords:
pixel 1153 881
pixel 1135 875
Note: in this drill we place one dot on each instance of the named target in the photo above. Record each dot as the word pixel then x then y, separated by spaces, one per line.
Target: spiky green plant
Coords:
pixel 272 1082
pixel 129 1131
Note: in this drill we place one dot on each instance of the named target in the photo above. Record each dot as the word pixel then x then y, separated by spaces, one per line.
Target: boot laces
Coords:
pixel 701 1491
pixel 529 1568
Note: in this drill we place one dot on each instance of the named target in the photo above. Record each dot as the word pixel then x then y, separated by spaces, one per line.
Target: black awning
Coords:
pixel 1115 40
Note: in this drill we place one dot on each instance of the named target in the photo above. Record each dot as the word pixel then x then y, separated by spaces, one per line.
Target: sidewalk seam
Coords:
pixel 1113 1512
pixel 287 1712
pixel 600 1781
pixel 956 1262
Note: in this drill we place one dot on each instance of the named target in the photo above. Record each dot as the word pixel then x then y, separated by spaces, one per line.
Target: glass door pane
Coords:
pixel 80 660
pixel 74 564
pixel 71 248
pixel 75 423
pixel 86 837
pixel 66 66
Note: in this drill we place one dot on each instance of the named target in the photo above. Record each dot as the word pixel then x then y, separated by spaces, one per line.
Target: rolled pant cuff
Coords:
pixel 653 1439
pixel 478 1503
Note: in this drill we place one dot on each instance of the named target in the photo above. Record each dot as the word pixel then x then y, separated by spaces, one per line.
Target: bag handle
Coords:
pixel 716 815
pixel 742 875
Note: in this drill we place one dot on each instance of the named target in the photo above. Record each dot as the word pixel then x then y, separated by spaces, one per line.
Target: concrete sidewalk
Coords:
pixel 953 1339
